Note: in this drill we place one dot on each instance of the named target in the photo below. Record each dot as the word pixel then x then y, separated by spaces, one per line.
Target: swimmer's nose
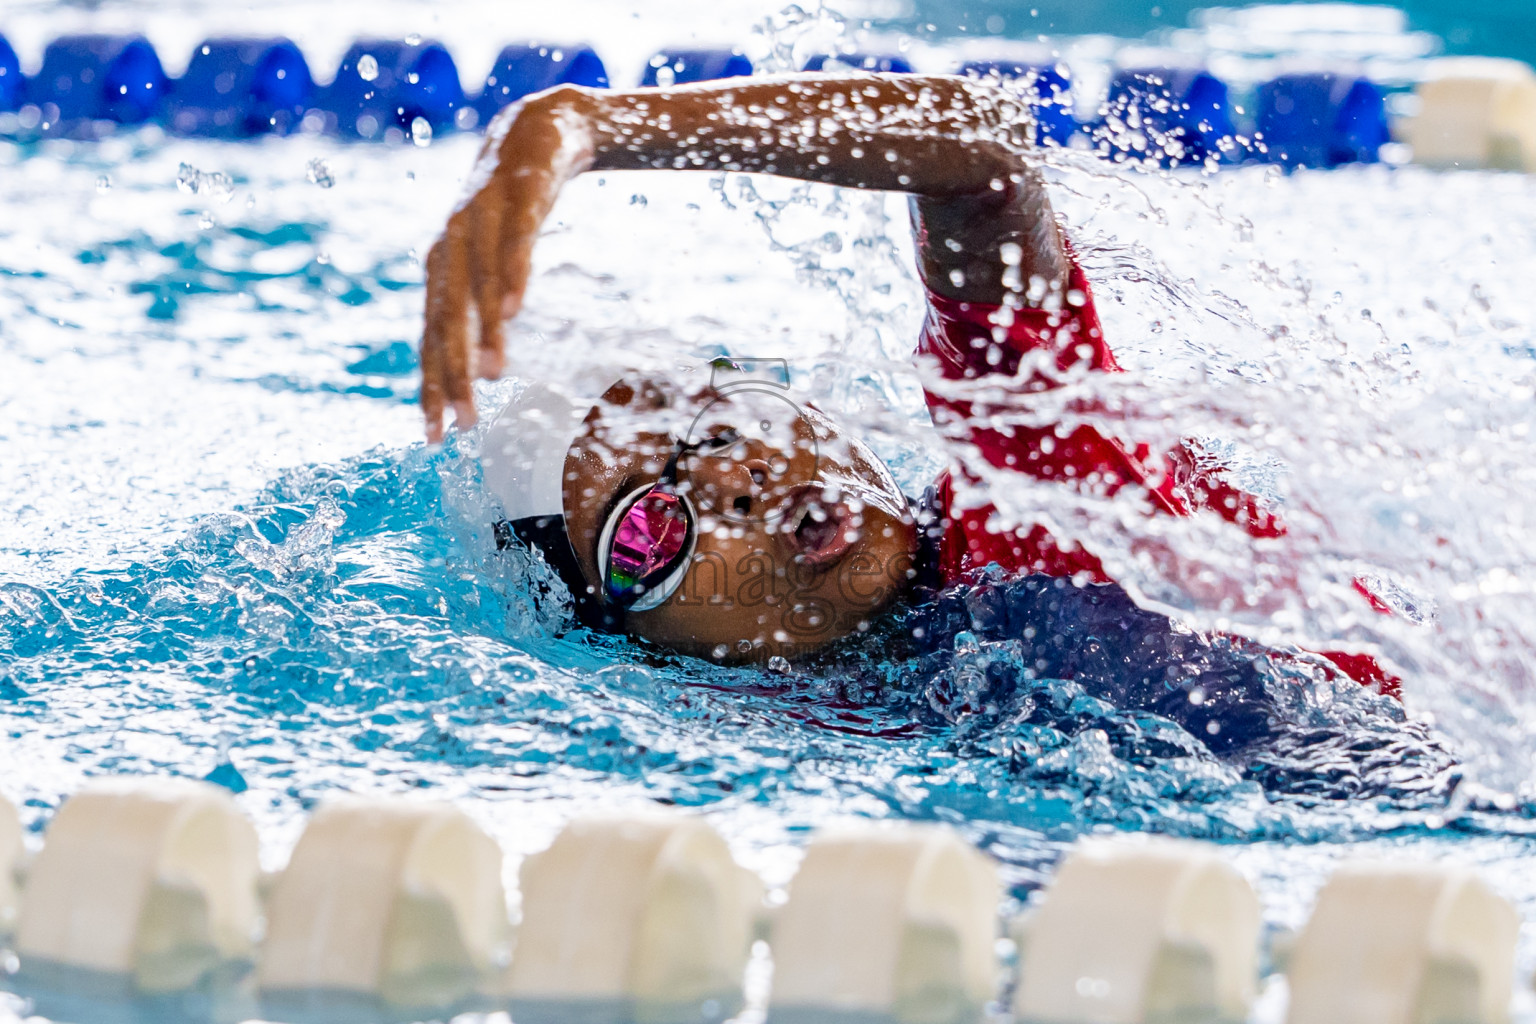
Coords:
pixel 767 477
pixel 727 486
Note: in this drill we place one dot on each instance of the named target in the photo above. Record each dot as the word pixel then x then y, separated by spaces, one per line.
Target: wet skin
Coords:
pixel 986 232
pixel 802 535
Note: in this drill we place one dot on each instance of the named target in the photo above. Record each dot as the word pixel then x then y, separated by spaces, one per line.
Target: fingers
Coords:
pixel 445 340
pixel 432 394
pixel 490 355
pixel 455 316
pixel 519 230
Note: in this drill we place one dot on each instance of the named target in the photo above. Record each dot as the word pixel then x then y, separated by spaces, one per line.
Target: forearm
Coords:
pixel 928 135
pixel 986 231
pixel 957 146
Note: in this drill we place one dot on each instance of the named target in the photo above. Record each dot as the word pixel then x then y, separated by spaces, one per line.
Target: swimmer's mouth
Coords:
pixel 819 532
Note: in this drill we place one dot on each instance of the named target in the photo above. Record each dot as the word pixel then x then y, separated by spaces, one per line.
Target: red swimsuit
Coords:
pixel 974 340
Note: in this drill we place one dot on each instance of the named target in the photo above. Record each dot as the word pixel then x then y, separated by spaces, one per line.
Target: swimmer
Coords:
pixel 696 530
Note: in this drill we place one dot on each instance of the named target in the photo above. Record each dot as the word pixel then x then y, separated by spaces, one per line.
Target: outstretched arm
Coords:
pixel 957 146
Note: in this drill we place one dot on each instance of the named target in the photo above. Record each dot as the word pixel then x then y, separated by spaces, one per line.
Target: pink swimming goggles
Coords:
pixel 646 543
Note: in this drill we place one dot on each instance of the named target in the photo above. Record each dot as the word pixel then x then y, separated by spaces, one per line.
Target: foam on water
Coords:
pixel 226 553
pixel 1365 337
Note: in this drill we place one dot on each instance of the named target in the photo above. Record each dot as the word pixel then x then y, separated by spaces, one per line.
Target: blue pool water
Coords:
pixel 1504 28
pixel 225 553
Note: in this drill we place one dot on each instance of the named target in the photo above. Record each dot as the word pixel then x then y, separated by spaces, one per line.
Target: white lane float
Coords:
pixel 1476 112
pixel 643 917
pixel 396 900
pixel 887 923
pixel 152 880
pixel 10 861
pixel 1134 933
pixel 1404 944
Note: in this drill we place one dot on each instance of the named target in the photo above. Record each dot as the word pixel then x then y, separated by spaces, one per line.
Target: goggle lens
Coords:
pixel 650 537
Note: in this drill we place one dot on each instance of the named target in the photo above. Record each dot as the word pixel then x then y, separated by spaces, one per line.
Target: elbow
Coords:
pixel 1002 119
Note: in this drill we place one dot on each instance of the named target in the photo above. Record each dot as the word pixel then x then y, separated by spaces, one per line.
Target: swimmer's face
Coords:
pixel 802 536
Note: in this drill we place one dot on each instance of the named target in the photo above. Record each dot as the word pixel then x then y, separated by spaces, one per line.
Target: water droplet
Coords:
pixel 210 183
pixel 421 131
pixel 367 67
pixel 414 39
pixel 319 173
pixel 104 184
pixel 778 664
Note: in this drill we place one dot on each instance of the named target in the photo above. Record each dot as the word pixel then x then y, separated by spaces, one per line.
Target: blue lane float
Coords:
pixel 238 88
pixel 882 63
pixel 385 84
pixel 11 82
pixel 1049 89
pixel 526 68
pixel 679 67
pixel 1175 116
pixel 1321 120
pixel 99 78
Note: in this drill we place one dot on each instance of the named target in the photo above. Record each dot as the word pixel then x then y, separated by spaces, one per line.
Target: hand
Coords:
pixel 481 262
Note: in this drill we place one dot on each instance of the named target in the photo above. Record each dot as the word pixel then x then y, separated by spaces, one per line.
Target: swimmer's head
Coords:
pixel 725 521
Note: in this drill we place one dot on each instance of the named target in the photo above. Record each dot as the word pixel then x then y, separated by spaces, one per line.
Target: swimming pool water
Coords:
pixel 225 553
